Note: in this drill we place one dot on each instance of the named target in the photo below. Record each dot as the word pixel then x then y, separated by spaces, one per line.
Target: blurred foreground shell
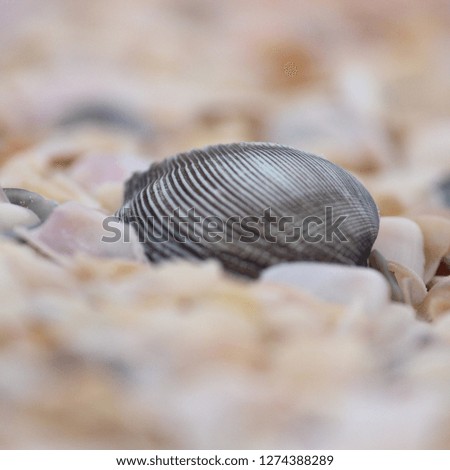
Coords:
pixel 251 205
pixel 105 115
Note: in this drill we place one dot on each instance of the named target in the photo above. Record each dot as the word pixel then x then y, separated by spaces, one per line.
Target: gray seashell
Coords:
pixel 105 115
pixel 251 182
pixel 39 205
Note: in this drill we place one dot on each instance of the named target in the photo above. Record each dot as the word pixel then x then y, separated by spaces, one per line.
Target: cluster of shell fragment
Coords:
pixel 251 205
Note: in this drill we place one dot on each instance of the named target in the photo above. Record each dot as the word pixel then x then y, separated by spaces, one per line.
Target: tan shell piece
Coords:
pixel 62 169
pixel 29 172
pixel 436 233
pixel 388 203
pixel 437 301
pixel 411 284
pixel 401 240
pixel 400 191
pixel 110 196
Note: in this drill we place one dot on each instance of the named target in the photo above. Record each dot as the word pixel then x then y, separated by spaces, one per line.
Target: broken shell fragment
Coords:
pixel 436 234
pixel 73 228
pixel 437 301
pixel 411 284
pixel 401 240
pixel 378 261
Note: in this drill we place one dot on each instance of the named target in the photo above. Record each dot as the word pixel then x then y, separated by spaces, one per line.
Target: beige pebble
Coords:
pixel 12 215
pixel 344 285
pixel 437 300
pixel 73 228
pixel 401 240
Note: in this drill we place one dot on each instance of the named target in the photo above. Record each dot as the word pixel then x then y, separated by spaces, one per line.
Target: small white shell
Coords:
pixel 12 216
pixel 401 240
pixel 345 285
pixel 437 301
pixel 436 233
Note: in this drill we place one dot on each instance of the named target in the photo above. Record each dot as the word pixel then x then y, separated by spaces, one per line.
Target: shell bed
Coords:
pixel 100 348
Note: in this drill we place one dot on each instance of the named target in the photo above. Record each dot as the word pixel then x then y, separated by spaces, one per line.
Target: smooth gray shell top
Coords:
pixel 251 205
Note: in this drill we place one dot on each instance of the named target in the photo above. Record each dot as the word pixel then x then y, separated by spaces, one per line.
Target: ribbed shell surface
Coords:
pixel 236 187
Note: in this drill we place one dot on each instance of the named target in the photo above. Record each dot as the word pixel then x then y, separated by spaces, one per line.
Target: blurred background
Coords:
pixel 366 84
